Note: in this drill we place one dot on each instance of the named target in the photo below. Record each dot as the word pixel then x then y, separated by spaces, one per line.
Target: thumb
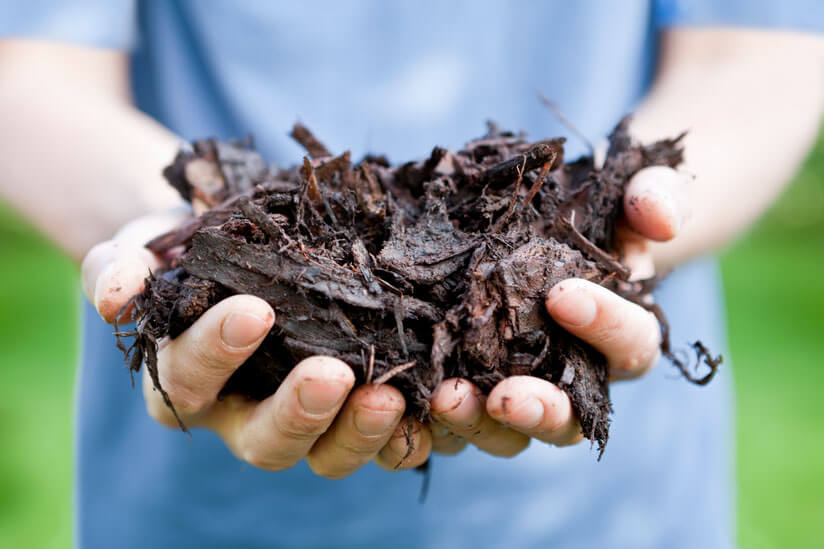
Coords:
pixel 113 271
pixel 655 203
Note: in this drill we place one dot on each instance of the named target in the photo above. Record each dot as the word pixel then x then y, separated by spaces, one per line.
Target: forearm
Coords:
pixel 752 103
pixel 78 160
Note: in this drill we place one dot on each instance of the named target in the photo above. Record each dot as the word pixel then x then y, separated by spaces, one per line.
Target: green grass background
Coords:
pixel 775 296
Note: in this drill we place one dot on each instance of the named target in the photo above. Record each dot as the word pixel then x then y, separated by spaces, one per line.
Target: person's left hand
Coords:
pixel 626 334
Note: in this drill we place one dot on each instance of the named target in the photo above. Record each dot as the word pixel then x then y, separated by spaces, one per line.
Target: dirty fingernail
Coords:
pixel 467 413
pixel 242 329
pixel 374 422
pixel 527 415
pixel 572 307
pixel 318 397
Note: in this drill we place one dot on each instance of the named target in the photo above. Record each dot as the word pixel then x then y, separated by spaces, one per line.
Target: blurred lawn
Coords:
pixel 775 296
pixel 774 282
pixel 38 333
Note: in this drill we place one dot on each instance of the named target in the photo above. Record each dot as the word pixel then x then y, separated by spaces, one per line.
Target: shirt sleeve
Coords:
pixel 801 15
pixel 110 24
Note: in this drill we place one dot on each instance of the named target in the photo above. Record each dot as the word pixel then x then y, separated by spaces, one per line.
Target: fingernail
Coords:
pixel 527 415
pixel 371 422
pixel 572 307
pixel 319 397
pixel 240 330
pixel 467 413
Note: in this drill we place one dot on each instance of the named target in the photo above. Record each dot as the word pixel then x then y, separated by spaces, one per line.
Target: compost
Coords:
pixel 410 273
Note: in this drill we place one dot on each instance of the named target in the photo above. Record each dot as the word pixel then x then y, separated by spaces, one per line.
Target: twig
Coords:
pixel 503 173
pixel 511 208
pixel 594 251
pixel 259 217
pixel 315 148
pixel 399 313
pixel 538 183
pixel 371 369
pixel 701 352
pixel 393 372
pixel 566 121
pixel 409 422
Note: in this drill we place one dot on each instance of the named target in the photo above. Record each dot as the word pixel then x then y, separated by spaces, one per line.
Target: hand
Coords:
pixel 314 414
pixel 626 334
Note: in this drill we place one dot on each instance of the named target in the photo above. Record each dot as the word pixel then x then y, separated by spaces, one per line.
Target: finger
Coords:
pixel 362 428
pixel 195 366
pixel 280 431
pixel 655 202
pixel 445 441
pixel 139 231
pixel 535 407
pixel 635 252
pixel 626 334
pixel 460 406
pixel 409 447
pixel 112 272
pixel 115 270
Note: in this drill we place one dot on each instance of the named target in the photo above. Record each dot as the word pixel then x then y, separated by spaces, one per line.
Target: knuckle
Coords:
pixel 259 456
pixel 207 355
pixel 613 324
pixel 201 351
pixel 183 402
pixel 356 448
pixel 186 401
pixel 294 427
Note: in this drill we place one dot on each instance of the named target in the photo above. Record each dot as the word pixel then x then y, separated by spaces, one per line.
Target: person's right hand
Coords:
pixel 314 414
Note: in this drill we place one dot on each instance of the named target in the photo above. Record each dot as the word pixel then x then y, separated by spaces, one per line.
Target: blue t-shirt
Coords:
pixel 396 78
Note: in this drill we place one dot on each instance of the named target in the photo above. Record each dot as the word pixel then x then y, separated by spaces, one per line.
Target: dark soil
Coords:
pixel 410 273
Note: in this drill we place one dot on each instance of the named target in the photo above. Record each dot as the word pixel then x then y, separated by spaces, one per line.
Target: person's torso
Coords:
pixel 398 78
pixel 390 77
